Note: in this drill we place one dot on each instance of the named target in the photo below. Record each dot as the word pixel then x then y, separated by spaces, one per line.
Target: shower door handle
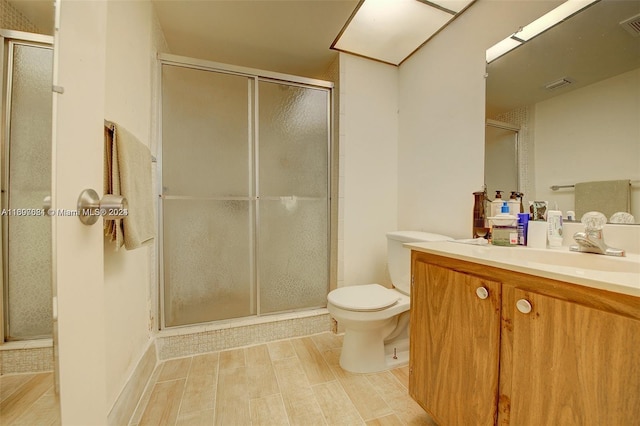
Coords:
pixel 91 207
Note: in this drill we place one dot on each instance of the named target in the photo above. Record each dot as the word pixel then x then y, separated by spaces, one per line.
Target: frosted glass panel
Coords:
pixel 292 253
pixel 229 184
pixel 207 255
pixel 293 140
pixel 205 133
pixel 29 254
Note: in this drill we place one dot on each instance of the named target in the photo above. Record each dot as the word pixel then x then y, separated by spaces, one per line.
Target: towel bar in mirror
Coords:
pixel 91 207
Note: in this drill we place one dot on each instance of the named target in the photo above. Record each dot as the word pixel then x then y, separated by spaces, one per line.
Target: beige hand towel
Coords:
pixel 606 197
pixel 128 173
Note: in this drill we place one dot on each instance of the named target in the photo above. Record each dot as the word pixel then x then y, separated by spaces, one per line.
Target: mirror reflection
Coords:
pixel 573 93
pixel 501 158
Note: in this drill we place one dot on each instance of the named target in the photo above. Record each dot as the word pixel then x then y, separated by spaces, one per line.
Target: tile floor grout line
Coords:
pixel 215 396
pixel 184 388
pixel 17 421
pixel 147 387
pixel 278 381
pixel 295 355
pixel 14 391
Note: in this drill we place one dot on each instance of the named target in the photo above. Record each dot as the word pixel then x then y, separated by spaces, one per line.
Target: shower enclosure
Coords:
pixel 26 179
pixel 244 198
pixel 501 158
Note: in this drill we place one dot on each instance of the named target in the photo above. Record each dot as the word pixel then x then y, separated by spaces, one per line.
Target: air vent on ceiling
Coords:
pixel 565 81
pixel 632 25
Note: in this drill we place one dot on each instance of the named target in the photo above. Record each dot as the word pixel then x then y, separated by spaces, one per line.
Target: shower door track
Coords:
pixel 256 75
pixel 186 62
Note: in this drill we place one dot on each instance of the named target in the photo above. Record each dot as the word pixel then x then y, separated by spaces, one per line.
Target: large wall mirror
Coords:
pixel 574 94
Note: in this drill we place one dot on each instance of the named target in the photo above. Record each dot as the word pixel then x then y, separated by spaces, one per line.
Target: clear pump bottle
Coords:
pixel 496 204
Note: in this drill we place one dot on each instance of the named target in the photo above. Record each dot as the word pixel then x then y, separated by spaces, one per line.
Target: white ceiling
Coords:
pixel 586 48
pixel 288 36
pixel 292 37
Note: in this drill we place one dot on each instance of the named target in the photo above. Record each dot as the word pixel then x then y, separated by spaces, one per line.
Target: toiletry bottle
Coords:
pixel 514 204
pixel 520 197
pixel 504 231
pixel 496 204
pixel 523 228
pixel 554 228
pixel 480 226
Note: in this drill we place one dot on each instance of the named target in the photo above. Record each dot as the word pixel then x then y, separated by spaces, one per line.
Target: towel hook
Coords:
pixel 91 207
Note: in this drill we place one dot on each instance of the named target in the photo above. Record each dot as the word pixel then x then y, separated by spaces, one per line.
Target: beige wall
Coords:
pixel 105 316
pixel 133 38
pixel 368 168
pixel 442 113
pixel 412 138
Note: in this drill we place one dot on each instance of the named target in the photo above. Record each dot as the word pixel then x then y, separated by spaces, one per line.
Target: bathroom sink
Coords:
pixel 564 258
pixel 612 273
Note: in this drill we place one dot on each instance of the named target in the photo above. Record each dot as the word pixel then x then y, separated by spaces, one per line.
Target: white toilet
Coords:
pixel 376 319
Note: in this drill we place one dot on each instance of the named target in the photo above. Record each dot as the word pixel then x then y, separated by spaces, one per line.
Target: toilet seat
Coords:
pixel 369 297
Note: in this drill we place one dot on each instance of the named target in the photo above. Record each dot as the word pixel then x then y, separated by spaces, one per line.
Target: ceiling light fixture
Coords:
pixel 540 25
pixel 391 30
pixel 562 82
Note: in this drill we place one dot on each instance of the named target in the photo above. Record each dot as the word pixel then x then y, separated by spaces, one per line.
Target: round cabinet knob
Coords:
pixel 523 306
pixel 482 292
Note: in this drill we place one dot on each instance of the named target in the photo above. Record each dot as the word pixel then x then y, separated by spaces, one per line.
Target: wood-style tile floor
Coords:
pixel 28 399
pixel 291 382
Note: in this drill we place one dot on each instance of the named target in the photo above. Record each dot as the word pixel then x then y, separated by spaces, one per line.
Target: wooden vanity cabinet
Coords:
pixel 571 363
pixel 567 354
pixel 455 341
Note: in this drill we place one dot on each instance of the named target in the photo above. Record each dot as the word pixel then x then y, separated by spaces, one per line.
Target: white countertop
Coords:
pixel 617 274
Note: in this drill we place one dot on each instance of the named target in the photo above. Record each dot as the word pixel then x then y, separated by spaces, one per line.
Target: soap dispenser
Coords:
pixel 514 204
pixel 505 211
pixel 504 231
pixel 496 204
pixel 520 197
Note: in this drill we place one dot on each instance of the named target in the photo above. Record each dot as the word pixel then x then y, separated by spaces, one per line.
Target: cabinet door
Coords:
pixel 455 338
pixel 573 365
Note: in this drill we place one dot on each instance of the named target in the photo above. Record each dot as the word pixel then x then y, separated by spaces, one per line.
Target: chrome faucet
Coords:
pixel 591 240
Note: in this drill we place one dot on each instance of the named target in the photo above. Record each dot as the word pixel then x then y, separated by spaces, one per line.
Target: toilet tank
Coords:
pixel 399 258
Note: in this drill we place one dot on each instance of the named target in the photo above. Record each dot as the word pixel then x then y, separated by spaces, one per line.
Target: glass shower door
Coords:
pixel 501 159
pixel 245 205
pixel 26 181
pixel 207 206
pixel 293 188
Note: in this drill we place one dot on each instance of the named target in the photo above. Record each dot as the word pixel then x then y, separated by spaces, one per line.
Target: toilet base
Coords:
pixel 365 352
pixel 401 353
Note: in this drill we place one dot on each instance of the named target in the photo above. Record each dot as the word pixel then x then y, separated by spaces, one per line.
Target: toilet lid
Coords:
pixel 368 297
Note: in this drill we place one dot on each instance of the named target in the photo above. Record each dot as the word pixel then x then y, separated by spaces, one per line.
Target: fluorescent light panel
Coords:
pixel 551 18
pixel 540 25
pixel 500 48
pixel 452 5
pixel 390 30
